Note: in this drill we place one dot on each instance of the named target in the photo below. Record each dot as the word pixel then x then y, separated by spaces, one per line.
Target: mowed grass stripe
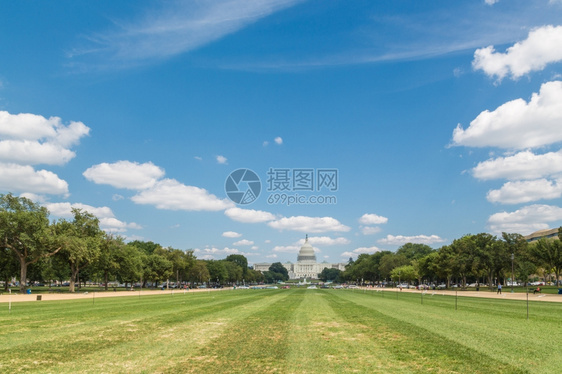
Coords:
pixel 458 340
pixel 142 335
pixel 324 342
pixel 255 343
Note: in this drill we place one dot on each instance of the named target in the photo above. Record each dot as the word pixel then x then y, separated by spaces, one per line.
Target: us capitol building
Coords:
pixel 306 266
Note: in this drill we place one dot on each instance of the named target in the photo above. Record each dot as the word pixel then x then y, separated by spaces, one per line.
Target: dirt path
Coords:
pixel 5 298
pixel 506 294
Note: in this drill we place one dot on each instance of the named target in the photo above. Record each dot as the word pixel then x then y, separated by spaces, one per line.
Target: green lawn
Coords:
pixel 284 331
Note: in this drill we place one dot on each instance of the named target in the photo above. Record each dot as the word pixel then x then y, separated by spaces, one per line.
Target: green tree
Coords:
pixel 108 263
pixel 81 240
pixel 25 230
pixel 280 272
pixel 414 251
pixel 330 275
pixel 157 268
pixel 405 273
pixel 241 261
pixel 217 270
pixel 130 260
pixel 198 272
pixel 9 266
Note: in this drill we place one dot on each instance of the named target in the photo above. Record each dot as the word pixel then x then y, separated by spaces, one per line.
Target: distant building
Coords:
pixel 548 233
pixel 306 266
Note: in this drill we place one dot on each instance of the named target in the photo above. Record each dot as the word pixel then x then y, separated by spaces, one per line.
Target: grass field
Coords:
pixel 285 331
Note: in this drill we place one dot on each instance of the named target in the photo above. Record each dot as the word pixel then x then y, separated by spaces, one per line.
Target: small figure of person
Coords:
pixel 477 286
pixel 538 289
pixel 499 289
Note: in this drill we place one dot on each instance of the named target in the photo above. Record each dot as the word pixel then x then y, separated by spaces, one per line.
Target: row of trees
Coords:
pixel 35 249
pixel 480 258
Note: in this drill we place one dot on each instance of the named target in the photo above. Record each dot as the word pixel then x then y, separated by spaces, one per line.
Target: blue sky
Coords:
pixel 441 118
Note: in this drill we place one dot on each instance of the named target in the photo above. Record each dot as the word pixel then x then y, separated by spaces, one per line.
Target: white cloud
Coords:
pixel 22 178
pixel 291 248
pixel 526 220
pixel 198 158
pixel 64 210
pixel 541 47
pixel 309 224
pixel 271 256
pixel 324 241
pixel 231 234
pixel 27 138
pixel 248 215
pixel 221 159
pixel 526 191
pixel 125 174
pixel 265 143
pixel 522 165
pixel 491 2
pixel 361 250
pixel 368 230
pixel 107 219
pixel 213 253
pixel 254 248
pixel 372 219
pixel 170 194
pixel 244 242
pixel 278 140
pixel 420 239
pixel 517 124
pixel 177 27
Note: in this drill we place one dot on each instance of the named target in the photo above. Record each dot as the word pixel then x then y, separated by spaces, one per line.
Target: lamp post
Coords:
pixel 512 272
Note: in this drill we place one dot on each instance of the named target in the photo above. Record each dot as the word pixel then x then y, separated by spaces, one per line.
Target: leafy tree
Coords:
pixel 81 241
pixel 217 270
pixel 9 266
pixel 280 272
pixel 25 230
pixel 130 260
pixel 108 262
pixel 234 271
pixel 198 272
pixel 414 251
pixel 157 268
pixel 241 261
pixel 389 261
pixel 405 273
pixel 330 275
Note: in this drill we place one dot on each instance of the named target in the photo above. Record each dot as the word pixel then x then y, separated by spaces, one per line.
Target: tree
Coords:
pixel 108 263
pixel 330 275
pixel 241 261
pixel 25 230
pixel 130 260
pixel 390 261
pixel 414 251
pixel 9 266
pixel 157 268
pixel 280 272
pixel 198 272
pixel 404 273
pixel 81 241
pixel 217 270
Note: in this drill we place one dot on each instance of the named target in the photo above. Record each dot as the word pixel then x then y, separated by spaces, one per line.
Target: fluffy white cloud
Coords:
pixel 491 2
pixel 541 47
pixel 372 219
pixel 324 241
pixel 517 124
pixel 248 215
pixel 361 250
pixel 401 239
pixel 309 224
pixel 170 194
pixel 108 222
pixel 23 178
pixel 525 220
pixel 231 234
pixel 295 248
pixel 222 159
pixel 244 242
pixel 33 139
pixel 369 230
pixel 64 210
pixel 522 165
pixel 213 253
pixel 526 191
pixel 125 174
pixel 279 140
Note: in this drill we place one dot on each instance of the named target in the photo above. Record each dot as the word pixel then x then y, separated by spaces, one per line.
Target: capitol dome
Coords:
pixel 306 254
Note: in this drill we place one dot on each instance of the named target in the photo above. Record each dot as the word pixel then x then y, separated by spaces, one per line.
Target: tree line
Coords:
pixel 481 258
pixel 36 249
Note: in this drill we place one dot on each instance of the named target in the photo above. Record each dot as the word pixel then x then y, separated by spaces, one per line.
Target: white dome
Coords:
pixel 306 253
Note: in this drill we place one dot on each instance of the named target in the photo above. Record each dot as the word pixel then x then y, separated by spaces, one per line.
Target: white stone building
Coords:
pixel 306 266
